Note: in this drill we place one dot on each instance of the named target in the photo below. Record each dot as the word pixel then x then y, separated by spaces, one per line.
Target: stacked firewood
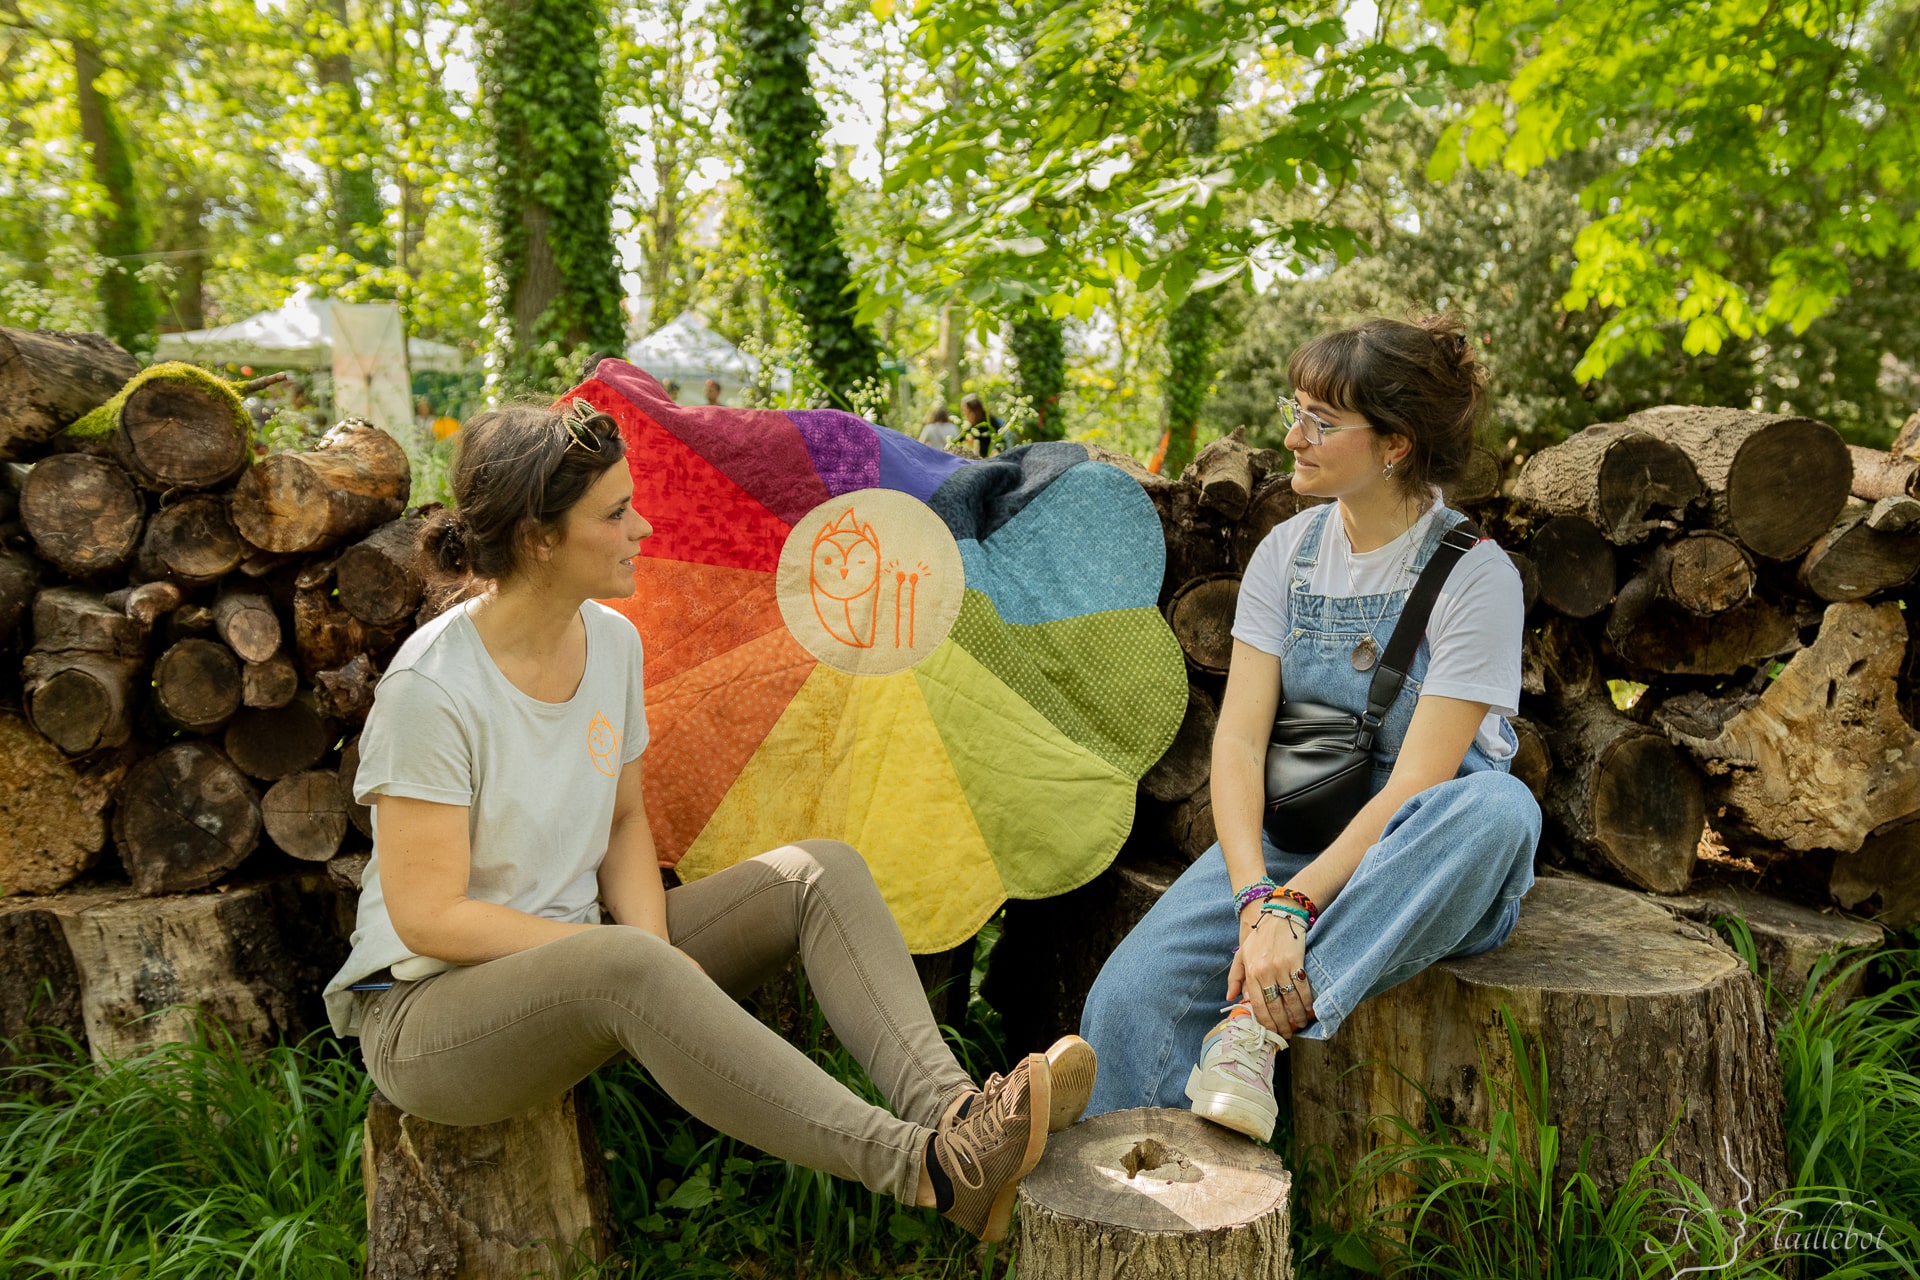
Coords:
pixel 1717 667
pixel 193 636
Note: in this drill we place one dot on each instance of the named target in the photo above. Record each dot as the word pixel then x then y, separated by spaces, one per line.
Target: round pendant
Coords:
pixel 1364 655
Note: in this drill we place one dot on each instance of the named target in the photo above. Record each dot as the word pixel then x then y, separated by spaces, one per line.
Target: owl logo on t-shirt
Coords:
pixel 603 745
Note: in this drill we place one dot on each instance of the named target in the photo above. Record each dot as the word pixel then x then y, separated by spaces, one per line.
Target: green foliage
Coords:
pixel 1190 347
pixel 1762 154
pixel 1038 344
pixel 128 307
pixel 554 285
pixel 184 1162
pixel 779 123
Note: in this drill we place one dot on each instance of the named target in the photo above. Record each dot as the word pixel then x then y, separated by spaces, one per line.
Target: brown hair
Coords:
pixel 516 471
pixel 1420 380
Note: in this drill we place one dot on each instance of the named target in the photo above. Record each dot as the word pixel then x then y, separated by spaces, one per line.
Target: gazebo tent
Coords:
pixel 686 351
pixel 299 335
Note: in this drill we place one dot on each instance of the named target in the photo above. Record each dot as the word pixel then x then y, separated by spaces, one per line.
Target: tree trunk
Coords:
pixel 1645 1021
pixel 1223 472
pixel 76 620
pixel 49 379
pixel 248 624
pixel 255 957
pixel 81 701
pixel 1159 1195
pixel 306 815
pixel 1201 615
pixel 178 432
pixel 1854 560
pixel 1623 800
pixel 523 1197
pixel 121 233
pixel 1775 483
pixel 269 684
pixel 1628 483
pixel 1051 949
pixel 1824 756
pixel 1882 877
pixel 278 742
pixel 376 577
pixel 84 514
pixel 1704 572
pixel 1878 474
pixel 147 602
pixel 1652 635
pixel 196 684
pixel 51 828
pixel 40 1001
pixel 299 503
pixel 185 818
pixel 1188 763
pixel 1274 502
pixel 191 542
pixel 1575 565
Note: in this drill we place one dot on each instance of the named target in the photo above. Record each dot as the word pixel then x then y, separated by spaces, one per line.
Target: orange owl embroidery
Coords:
pixel 603 745
pixel 845 580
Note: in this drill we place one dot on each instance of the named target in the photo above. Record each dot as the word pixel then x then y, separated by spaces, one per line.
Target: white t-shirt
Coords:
pixel 537 778
pixel 939 434
pixel 1473 635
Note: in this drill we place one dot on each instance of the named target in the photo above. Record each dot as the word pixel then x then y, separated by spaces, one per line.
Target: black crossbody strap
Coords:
pixel 1392 671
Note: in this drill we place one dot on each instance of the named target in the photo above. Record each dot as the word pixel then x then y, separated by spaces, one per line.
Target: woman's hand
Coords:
pixel 1272 955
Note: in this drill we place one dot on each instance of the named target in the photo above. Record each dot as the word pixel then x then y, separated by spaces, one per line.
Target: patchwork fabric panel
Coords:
pixel 956 666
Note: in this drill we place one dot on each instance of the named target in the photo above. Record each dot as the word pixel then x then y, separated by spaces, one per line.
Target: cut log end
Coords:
pixel 305 815
pixel 1201 615
pixel 185 818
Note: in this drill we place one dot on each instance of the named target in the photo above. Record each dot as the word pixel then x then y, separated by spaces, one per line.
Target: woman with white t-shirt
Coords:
pixel 514 931
pixel 1291 939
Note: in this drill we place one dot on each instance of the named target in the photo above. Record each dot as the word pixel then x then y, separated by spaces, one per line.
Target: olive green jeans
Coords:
pixel 478 1044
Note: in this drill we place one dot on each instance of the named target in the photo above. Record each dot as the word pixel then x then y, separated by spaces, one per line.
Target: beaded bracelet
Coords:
pixel 1264 887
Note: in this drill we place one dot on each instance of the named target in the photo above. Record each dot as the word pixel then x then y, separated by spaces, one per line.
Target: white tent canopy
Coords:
pixel 687 351
pixel 298 335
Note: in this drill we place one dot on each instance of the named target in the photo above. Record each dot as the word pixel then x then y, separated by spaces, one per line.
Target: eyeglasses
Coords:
pixel 1315 428
pixel 582 421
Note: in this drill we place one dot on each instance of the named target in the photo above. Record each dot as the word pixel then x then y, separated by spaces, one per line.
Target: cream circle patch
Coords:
pixel 870 582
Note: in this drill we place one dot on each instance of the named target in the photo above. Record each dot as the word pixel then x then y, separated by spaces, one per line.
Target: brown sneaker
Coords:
pixel 986 1152
pixel 1070 1066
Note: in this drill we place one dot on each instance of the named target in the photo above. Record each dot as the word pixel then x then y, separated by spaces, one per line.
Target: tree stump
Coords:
pixel 182 428
pixel 275 743
pixel 42 991
pixel 48 379
pixel 1854 560
pixel 19 576
pixel 1655 635
pixel 248 624
pixel 523 1197
pixel 1225 475
pixel 1787 938
pixel 1628 483
pixel 1154 1194
pixel 306 815
pixel 269 684
pixel 296 503
pixel 255 956
pixel 1641 1017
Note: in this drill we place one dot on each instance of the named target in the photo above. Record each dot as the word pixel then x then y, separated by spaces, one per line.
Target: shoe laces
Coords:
pixel 984 1127
pixel 1245 1043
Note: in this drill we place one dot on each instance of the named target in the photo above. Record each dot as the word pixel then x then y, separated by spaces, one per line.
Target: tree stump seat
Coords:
pixel 1652 1029
pixel 524 1197
pixel 1155 1194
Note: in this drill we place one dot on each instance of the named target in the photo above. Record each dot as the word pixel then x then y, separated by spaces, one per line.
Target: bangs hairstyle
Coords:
pixel 517 471
pixel 1420 380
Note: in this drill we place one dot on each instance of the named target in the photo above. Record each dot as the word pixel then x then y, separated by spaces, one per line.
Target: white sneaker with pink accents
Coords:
pixel 1233 1083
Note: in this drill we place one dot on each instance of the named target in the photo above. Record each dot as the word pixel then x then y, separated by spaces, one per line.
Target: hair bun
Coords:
pixel 445 543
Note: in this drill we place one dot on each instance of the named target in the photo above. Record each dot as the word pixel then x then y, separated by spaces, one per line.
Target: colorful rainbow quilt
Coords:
pixel 955 666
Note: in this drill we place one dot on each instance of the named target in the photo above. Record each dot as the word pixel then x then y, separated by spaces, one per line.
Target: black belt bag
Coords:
pixel 1320 762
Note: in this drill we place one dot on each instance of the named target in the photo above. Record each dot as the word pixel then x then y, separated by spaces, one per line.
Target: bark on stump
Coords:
pixel 1155 1194
pixel 42 991
pixel 1788 938
pixel 1628 483
pixel 48 379
pixel 1642 1018
pixel 83 513
pixel 51 828
pixel 1824 756
pixel 1224 474
pixel 254 956
pixel 1878 474
pixel 526 1196
pixel 185 818
pixel 1774 482
pixel 296 503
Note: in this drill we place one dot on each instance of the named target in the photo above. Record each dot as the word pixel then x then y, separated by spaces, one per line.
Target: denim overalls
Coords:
pixel 1445 878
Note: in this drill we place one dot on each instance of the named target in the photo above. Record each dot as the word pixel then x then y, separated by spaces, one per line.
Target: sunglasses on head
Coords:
pixel 583 425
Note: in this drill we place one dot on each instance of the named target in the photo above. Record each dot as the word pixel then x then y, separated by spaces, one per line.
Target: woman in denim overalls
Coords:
pixel 1435 865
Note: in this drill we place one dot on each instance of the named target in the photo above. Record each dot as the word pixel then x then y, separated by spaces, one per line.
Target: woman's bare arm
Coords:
pixel 630 883
pixel 425 863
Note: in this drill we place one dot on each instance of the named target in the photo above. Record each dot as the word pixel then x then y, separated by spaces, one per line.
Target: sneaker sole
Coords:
pixel 1231 1111
pixel 1039 1103
pixel 1071 1065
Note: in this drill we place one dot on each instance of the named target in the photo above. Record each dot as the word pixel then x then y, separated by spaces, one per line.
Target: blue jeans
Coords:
pixel 1445 879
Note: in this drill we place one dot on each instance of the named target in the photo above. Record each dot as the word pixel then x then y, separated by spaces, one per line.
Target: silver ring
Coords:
pixel 1273 993
pixel 1286 988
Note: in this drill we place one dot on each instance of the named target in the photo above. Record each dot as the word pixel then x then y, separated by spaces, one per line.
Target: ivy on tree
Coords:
pixel 555 285
pixel 1039 350
pixel 779 123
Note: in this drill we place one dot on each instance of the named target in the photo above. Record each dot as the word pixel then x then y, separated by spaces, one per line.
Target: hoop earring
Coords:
pixel 1388 472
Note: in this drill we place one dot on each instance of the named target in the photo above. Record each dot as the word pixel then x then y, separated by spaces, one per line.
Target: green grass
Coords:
pixel 194 1160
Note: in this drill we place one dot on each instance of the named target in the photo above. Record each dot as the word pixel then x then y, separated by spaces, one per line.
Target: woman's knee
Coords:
pixel 812 860
pixel 621 956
